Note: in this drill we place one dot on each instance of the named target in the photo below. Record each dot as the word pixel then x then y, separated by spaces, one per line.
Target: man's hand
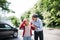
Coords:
pixel 34 26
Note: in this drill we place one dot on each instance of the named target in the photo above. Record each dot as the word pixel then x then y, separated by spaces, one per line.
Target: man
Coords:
pixel 39 27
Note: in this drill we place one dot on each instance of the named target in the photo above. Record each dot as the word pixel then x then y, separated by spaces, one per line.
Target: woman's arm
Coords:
pixel 32 26
pixel 22 26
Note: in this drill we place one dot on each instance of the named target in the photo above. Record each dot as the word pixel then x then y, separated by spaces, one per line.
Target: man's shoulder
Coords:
pixel 31 21
pixel 39 19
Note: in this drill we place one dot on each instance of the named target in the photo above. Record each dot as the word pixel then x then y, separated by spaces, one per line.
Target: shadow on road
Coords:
pixel 10 39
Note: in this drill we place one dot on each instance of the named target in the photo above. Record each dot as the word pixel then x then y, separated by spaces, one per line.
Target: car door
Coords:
pixel 8 29
pixel 2 30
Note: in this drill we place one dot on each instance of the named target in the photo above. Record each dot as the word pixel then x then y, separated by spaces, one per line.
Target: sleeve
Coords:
pixel 33 28
pixel 40 24
pixel 22 26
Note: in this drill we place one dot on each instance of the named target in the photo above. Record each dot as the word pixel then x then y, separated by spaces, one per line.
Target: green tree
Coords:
pixel 4 6
pixel 25 15
pixel 15 21
pixel 53 7
pixel 48 11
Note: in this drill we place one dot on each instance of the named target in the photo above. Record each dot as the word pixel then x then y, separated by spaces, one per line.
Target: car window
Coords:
pixel 2 26
pixel 7 26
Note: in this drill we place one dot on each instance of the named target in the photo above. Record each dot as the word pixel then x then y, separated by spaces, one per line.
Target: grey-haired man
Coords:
pixel 39 27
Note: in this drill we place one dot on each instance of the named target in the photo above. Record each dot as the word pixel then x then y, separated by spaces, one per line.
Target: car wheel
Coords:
pixel 15 35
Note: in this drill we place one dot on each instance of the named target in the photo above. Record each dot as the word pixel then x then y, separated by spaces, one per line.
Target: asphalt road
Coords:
pixel 49 34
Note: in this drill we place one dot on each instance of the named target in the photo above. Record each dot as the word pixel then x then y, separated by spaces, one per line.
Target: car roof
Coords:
pixel 3 23
pixel 7 23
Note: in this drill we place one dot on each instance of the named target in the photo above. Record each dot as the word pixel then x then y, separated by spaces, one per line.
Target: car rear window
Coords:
pixel 2 26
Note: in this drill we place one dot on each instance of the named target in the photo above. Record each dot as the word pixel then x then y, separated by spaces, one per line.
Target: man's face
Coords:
pixel 34 19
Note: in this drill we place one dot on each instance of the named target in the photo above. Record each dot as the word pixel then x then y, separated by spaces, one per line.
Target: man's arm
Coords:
pixel 22 26
pixel 40 24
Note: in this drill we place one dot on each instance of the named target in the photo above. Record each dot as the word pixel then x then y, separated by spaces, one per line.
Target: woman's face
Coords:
pixel 27 22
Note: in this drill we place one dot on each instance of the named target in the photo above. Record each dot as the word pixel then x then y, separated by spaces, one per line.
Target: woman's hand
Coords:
pixel 23 24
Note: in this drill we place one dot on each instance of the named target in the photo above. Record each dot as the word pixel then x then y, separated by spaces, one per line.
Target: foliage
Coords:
pixel 25 15
pixel 15 21
pixel 48 11
pixel 53 7
pixel 4 6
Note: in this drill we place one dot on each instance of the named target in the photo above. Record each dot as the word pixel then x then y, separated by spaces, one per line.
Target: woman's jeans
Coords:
pixel 27 38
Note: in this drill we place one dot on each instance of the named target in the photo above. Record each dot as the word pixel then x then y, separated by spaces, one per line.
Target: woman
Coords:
pixel 27 29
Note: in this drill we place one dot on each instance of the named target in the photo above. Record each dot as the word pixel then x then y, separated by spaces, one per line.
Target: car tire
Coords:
pixel 15 35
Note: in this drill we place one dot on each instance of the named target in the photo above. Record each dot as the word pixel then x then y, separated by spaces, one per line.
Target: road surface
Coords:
pixel 49 34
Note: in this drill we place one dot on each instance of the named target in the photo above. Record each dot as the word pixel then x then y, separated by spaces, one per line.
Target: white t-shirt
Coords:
pixel 27 31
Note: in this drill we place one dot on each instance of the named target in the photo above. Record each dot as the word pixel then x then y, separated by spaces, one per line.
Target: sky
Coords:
pixel 20 6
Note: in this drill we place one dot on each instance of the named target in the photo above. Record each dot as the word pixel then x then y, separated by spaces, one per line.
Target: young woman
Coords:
pixel 27 29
